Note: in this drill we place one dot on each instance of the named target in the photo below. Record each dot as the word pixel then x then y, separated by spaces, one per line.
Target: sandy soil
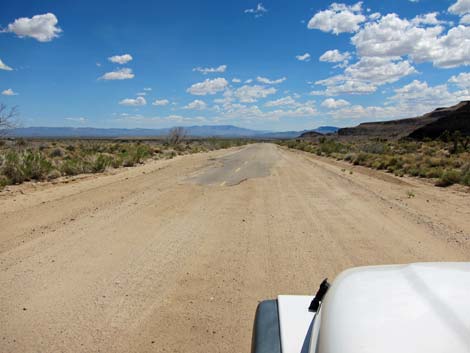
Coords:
pixel 168 257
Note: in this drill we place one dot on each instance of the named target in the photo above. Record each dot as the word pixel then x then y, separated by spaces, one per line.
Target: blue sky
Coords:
pixel 274 65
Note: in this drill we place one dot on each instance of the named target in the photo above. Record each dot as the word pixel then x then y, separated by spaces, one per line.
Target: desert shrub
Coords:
pixel 399 172
pixel 412 170
pixel 448 178
pixel 456 163
pixel 435 162
pixel 465 175
pixel 134 155
pixel 330 146
pixel 225 144
pixel 170 154
pixel 349 157
pixel 35 165
pixel 3 181
pixel 26 165
pixel 56 152
pixel 11 168
pixel 100 163
pixel 292 144
pixel 53 174
pixel 70 148
pixel 21 142
pixel 408 147
pixel 360 158
pixel 116 161
pixel 375 148
pixel 71 166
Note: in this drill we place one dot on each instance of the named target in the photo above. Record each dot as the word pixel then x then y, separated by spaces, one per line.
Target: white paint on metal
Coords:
pixel 423 307
pixel 294 320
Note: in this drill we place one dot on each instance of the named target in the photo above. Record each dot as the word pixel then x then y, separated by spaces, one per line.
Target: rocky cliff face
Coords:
pixel 430 125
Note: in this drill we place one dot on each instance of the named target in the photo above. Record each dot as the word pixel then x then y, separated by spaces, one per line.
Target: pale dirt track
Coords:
pixel 153 259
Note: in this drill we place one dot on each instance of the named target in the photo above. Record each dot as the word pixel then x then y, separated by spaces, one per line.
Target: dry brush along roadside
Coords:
pixel 24 160
pixel 446 161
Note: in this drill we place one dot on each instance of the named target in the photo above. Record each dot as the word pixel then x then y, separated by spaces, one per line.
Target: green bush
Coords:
pixel 26 165
pixel 56 152
pixel 3 181
pixel 448 178
pixel 330 146
pixel 72 166
pixel 11 168
pixel 375 148
pixel 100 163
pixel 360 159
pixel 465 175
pixel 36 166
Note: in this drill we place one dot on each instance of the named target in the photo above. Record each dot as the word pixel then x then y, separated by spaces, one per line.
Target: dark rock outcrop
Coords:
pixel 429 125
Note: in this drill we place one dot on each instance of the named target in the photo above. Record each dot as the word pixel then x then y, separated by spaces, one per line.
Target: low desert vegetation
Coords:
pixel 445 160
pixel 24 160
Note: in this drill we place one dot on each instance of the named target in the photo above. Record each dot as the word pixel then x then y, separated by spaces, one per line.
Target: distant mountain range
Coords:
pixel 227 131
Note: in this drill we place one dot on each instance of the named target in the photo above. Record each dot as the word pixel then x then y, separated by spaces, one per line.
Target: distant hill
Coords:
pixel 319 131
pixel 430 125
pixel 193 131
pixel 310 135
pixel 228 131
pixel 283 135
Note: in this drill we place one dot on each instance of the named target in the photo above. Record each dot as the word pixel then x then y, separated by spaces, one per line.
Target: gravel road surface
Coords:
pixel 173 256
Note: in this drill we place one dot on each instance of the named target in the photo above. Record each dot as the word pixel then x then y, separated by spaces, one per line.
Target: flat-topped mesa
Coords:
pixel 430 125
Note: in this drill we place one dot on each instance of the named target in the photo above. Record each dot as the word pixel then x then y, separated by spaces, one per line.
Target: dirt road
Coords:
pixel 173 256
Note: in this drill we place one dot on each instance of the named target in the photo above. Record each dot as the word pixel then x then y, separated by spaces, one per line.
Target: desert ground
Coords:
pixel 174 255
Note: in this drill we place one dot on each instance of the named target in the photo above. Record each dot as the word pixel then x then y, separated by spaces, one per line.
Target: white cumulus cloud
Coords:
pixel 427 19
pixel 335 56
pixel 139 101
pixel 420 93
pixel 208 87
pixel 258 11
pixel 462 80
pixel 285 101
pixel 79 119
pixel 267 81
pixel 366 75
pixel 379 70
pixel 40 27
pixel 250 94
pixel 4 66
pixel 331 103
pixel 196 104
pixel 160 102
pixel 394 37
pixel 303 57
pixel 465 20
pixel 120 59
pixel 461 7
pixel 121 74
pixel 211 70
pixel 338 18
pixel 9 92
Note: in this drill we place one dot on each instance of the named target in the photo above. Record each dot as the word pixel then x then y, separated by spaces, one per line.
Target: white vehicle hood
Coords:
pixel 417 308
pixel 422 307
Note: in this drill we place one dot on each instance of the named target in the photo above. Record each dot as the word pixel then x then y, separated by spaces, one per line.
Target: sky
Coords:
pixel 272 65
